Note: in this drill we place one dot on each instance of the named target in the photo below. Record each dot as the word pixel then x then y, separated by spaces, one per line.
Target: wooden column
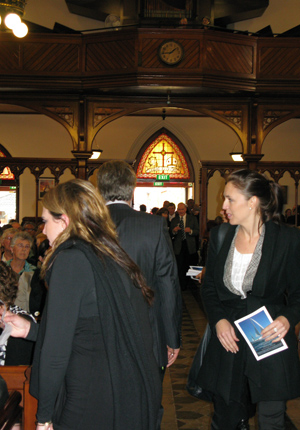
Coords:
pixel 82 158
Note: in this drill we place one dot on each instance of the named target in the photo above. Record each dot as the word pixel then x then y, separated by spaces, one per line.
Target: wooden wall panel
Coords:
pixel 9 56
pixel 281 62
pixel 229 57
pixel 54 57
pixel 110 55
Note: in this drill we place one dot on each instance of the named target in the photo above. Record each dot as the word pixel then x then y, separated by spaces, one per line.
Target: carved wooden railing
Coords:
pixel 129 57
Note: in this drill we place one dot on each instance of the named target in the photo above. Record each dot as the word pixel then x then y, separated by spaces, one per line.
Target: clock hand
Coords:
pixel 170 52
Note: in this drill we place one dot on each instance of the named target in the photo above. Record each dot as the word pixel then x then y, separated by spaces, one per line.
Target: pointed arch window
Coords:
pixel 163 156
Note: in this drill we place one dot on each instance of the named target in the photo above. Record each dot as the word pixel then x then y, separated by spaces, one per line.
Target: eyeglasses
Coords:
pixel 20 245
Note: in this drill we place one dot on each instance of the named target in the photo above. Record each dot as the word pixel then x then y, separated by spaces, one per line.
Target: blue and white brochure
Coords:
pixel 194 271
pixel 251 326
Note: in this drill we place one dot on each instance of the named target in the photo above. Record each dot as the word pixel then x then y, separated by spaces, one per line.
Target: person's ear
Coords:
pixel 253 202
pixel 65 221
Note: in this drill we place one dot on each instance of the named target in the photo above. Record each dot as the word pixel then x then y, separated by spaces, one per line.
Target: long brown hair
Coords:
pixel 91 222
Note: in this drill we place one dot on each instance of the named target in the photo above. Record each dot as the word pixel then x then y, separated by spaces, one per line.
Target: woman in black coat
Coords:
pixel 258 265
pixel 93 364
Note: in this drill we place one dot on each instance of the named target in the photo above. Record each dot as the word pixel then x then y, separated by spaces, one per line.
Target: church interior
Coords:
pixel 176 88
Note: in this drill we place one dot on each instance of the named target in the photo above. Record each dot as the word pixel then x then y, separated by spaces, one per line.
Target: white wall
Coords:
pixel 48 12
pixel 281 15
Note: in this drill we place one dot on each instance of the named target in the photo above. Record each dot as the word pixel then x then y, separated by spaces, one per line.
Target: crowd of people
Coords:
pixel 110 308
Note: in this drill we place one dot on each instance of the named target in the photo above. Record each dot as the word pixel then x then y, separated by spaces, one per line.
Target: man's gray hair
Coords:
pixel 116 180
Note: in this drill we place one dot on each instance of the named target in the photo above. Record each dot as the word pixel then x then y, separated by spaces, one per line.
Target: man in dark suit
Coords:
pixel 146 239
pixel 185 230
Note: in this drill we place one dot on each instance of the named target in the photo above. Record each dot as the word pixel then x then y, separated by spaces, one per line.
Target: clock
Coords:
pixel 170 52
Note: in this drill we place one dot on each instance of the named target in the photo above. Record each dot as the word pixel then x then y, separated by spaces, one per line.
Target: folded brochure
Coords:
pixel 251 326
pixel 194 271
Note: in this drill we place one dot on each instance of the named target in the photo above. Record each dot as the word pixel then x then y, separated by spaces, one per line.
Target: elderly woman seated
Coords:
pixel 6 239
pixel 31 290
pixel 13 352
pixel 20 246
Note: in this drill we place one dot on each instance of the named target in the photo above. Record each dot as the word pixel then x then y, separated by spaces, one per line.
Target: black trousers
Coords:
pixel 184 260
pixel 227 417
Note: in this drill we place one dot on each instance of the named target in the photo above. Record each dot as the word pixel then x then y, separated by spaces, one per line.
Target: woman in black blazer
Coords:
pixel 258 265
pixel 93 364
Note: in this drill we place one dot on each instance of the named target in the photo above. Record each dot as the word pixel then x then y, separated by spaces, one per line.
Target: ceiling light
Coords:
pixel 21 30
pixel 11 12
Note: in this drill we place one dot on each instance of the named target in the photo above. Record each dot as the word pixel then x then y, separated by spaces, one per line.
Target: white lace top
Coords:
pixel 240 265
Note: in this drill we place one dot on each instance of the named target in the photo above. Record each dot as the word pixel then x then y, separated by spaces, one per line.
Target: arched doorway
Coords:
pixel 164 171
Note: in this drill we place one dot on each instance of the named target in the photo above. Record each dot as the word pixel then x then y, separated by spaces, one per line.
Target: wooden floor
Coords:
pixel 182 411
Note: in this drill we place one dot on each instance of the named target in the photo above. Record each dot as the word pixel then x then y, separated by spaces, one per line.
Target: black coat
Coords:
pixel 191 221
pixel 146 239
pixel 276 377
pixel 128 366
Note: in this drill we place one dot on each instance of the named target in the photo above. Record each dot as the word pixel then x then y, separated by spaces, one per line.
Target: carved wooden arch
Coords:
pixel 99 116
pixel 65 113
pixel 269 118
pixel 236 119
pixel 180 146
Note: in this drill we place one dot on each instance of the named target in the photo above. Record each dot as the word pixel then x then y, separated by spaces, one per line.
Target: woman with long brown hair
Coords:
pixel 93 366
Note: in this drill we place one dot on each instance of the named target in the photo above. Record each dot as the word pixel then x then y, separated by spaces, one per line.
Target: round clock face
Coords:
pixel 170 52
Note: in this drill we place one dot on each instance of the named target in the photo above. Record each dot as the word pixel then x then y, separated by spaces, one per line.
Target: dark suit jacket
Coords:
pixel 276 377
pixel 191 221
pixel 146 239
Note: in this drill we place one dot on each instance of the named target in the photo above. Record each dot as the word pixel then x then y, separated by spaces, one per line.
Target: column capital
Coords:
pixel 252 160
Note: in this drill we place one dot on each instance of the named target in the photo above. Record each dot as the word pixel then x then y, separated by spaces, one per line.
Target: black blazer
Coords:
pixel 276 377
pixel 146 239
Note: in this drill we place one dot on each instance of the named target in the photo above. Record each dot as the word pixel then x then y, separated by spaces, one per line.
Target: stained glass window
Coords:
pixel 6 174
pixel 163 156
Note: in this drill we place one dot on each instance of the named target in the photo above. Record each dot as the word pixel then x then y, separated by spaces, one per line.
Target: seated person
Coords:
pixel 13 352
pixel 6 239
pixel 3 392
pixel 31 229
pixel 20 246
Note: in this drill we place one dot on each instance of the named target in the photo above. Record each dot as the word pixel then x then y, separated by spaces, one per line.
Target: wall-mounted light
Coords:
pixel 96 154
pixel 236 155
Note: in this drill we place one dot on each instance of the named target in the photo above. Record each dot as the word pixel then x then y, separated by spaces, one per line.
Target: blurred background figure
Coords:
pixel 13 352
pixel 6 239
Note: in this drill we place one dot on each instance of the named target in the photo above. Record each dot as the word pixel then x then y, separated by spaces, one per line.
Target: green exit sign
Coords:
pixel 163 177
pixel 158 184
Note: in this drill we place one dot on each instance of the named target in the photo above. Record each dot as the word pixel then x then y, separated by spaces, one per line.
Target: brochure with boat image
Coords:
pixel 251 326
